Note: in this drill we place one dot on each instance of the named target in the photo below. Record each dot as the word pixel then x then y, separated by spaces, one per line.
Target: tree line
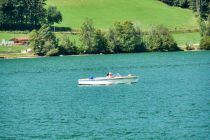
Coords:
pixel 27 14
pixel 205 33
pixel 200 6
pixel 123 37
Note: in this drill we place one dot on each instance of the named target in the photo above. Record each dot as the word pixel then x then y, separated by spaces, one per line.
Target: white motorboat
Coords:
pixel 109 80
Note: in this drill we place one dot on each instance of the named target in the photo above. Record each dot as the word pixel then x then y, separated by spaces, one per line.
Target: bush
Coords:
pixel 205 43
pixel 100 43
pixel 53 52
pixel 189 47
pixel 87 34
pixel 160 39
pixel 125 38
pixel 43 40
pixel 67 47
pixel 81 50
pixel 53 15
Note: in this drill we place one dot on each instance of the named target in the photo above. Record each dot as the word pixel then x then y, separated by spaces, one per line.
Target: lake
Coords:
pixel 40 98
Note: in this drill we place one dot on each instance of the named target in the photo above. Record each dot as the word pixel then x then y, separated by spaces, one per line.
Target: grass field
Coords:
pixel 12 49
pixel 8 35
pixel 187 38
pixel 16 55
pixel 144 13
pixel 14 52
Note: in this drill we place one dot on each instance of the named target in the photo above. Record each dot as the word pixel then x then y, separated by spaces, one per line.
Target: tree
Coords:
pixel 111 41
pixel 87 34
pixel 53 52
pixel 22 14
pixel 100 43
pixel 208 26
pixel 43 40
pixel 53 15
pixel 205 27
pixel 8 12
pixel 193 5
pixel 125 38
pixel 37 12
pixel 1 11
pixel 204 8
pixel 184 3
pixel 205 41
pixel 202 27
pixel 169 2
pixel 160 39
pixel 140 44
pixel 67 47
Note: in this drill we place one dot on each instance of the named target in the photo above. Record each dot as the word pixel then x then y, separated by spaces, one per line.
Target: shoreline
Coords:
pixel 21 57
pixel 7 56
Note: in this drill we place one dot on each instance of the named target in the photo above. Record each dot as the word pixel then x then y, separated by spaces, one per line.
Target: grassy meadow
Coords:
pixel 12 49
pixel 9 35
pixel 187 38
pixel 144 13
pixel 14 52
pixel 16 55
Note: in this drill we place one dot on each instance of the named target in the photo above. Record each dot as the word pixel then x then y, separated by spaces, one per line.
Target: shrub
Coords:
pixel 43 40
pixel 53 52
pixel 189 47
pixel 53 15
pixel 67 47
pixel 87 34
pixel 160 39
pixel 205 43
pixel 100 43
pixel 125 38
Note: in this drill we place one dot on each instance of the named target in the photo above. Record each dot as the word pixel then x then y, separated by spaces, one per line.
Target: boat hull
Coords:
pixel 108 81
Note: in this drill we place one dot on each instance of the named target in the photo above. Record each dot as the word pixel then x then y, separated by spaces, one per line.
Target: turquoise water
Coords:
pixel 40 98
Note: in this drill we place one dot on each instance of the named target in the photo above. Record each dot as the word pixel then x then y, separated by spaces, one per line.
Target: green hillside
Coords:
pixel 144 13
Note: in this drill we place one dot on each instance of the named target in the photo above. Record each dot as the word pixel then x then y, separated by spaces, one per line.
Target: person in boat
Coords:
pixel 109 75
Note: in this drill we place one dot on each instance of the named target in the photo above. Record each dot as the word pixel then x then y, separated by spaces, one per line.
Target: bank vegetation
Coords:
pixel 122 37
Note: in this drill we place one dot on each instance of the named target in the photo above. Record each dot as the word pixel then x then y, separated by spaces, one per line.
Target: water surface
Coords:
pixel 40 98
